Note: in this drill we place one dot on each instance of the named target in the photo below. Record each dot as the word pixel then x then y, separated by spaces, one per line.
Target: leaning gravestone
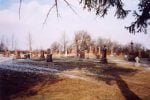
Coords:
pixel 104 55
pixel 49 56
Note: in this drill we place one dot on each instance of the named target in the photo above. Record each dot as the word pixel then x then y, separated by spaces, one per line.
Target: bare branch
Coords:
pixel 48 13
pixel 20 3
pixel 69 5
pixel 57 8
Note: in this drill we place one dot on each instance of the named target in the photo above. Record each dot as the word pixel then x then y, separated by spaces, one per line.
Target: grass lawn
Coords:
pixel 100 82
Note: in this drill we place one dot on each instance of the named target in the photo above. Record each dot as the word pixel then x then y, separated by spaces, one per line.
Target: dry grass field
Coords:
pixel 77 81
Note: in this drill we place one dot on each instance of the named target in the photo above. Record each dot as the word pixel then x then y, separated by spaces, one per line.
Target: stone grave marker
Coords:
pixel 104 55
pixel 49 56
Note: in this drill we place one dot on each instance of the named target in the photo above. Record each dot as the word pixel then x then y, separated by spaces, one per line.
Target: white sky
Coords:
pixel 33 13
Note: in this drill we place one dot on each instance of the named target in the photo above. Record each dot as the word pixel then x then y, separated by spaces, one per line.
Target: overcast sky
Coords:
pixel 33 13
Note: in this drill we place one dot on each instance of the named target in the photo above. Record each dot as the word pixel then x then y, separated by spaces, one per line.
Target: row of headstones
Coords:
pixel 102 57
pixel 48 57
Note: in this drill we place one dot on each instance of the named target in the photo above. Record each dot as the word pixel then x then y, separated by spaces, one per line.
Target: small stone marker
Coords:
pixel 137 59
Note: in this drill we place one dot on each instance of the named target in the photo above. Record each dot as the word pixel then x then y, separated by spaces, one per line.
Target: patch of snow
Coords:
pixel 6 59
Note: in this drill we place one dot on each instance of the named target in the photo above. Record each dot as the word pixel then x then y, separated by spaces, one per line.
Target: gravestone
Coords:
pixel 131 55
pixel 82 54
pixel 137 59
pixel 98 53
pixel 49 56
pixel 18 56
pixel 28 56
pixel 42 57
pixel 104 55
pixel 7 53
pixel 66 53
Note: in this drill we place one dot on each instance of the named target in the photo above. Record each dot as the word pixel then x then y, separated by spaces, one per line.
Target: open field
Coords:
pixel 73 80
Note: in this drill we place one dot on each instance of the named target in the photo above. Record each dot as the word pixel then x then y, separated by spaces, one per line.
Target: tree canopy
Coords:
pixel 101 7
pixel 142 14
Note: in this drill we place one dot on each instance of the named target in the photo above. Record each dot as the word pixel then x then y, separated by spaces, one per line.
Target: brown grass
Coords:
pixel 128 83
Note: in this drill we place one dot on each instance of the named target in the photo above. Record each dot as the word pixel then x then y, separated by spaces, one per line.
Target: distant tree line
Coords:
pixel 83 41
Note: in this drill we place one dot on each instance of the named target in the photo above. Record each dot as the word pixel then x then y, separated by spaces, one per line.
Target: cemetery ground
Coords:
pixel 74 79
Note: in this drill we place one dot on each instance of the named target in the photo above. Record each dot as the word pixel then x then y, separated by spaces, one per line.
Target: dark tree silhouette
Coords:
pixel 101 7
pixel 142 14
pixel 141 23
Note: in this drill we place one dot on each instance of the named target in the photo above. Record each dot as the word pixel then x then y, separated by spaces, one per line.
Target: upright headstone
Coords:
pixel 137 59
pixel 66 54
pixel 99 50
pixel 18 56
pixel 131 55
pixel 42 57
pixel 82 54
pixel 98 53
pixel 49 56
pixel 112 52
pixel 104 55
pixel 7 53
pixel 90 50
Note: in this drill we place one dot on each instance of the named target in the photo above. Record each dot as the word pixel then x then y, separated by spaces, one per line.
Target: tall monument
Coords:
pixel 104 54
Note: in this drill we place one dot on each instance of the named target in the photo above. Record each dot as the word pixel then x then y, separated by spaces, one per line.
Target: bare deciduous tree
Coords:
pixel 55 46
pixel 82 41
pixel 64 42
pixel 30 41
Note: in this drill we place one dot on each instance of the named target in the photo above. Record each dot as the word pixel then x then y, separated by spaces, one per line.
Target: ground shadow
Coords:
pixel 111 71
pixel 13 83
pixel 115 73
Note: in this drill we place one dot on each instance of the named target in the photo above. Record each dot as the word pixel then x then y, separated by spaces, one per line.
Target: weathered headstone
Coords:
pixel 82 54
pixel 104 55
pixel 49 56
pixel 90 49
pixel 28 56
pixel 112 51
pixel 137 59
pixel 18 56
pixel 7 53
pixel 66 53
pixel 131 55
pixel 42 56
pixel 98 53
pixel 99 50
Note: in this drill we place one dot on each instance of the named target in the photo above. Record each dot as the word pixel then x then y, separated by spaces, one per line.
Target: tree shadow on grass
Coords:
pixel 115 73
pixel 20 83
pixel 111 71
pixel 107 73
